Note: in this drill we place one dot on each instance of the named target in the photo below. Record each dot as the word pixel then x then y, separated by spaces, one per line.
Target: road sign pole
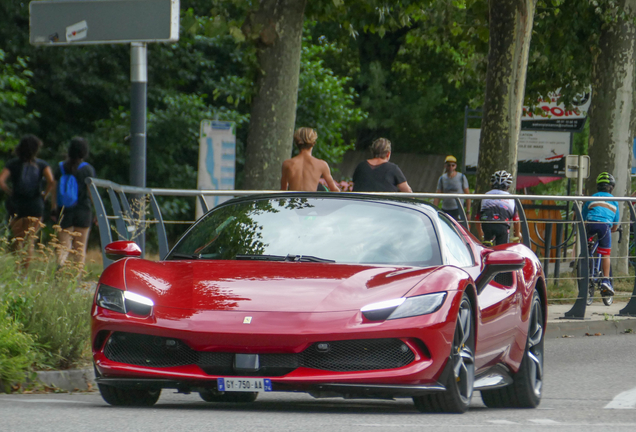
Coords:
pixel 579 182
pixel 139 82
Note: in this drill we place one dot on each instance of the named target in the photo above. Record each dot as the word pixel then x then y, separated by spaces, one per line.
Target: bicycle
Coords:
pixel 596 271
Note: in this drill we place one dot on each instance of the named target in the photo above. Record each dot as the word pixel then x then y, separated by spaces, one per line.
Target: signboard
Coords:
pixel 217 160
pixel 551 115
pixel 538 152
pixel 575 164
pixel 86 22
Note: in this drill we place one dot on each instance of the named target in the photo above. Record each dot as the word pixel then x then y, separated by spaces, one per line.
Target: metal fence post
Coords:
pixel 557 261
pixel 102 221
pixel 462 214
pixel 525 231
pixel 120 223
pixel 583 271
pixel 630 309
pixel 161 228
pixel 204 204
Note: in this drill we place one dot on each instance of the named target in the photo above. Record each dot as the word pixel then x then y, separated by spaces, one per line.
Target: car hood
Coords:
pixel 268 286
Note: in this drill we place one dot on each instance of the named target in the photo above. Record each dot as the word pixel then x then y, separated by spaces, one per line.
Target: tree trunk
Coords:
pixel 278 25
pixel 611 135
pixel 510 33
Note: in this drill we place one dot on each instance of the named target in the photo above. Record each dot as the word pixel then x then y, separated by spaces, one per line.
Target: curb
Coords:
pixel 570 328
pixel 69 380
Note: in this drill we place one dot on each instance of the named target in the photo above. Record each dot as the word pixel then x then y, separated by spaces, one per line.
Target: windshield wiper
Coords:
pixel 261 257
pixel 290 257
pixel 308 258
pixel 185 256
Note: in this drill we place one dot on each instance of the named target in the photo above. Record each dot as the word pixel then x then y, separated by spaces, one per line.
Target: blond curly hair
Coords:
pixel 305 138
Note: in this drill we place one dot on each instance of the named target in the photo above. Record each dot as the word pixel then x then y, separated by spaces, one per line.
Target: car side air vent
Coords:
pixel 505 279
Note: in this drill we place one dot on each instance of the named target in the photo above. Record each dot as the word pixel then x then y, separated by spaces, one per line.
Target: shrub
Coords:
pixel 17 351
pixel 51 304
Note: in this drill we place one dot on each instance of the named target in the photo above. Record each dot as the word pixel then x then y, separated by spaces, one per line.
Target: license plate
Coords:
pixel 244 385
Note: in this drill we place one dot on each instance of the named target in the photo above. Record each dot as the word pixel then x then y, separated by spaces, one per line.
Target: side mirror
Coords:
pixel 121 249
pixel 498 262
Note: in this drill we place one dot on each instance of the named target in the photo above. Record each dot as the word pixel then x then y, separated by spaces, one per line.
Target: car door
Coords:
pixel 498 303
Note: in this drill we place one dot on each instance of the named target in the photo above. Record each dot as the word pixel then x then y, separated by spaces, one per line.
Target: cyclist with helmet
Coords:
pixel 602 218
pixel 496 214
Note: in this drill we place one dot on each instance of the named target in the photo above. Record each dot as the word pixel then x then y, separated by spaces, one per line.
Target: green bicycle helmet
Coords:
pixel 605 178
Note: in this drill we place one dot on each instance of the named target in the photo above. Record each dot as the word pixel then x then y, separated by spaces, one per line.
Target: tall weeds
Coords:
pixel 51 304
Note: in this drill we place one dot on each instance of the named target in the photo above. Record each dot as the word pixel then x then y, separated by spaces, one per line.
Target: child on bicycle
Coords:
pixel 602 218
pixel 497 213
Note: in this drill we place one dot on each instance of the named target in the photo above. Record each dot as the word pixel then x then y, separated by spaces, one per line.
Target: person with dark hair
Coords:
pixel 303 172
pixel 602 218
pixel 378 174
pixel 25 204
pixel 495 214
pixel 71 201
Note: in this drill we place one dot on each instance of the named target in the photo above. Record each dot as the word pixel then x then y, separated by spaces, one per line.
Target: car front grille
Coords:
pixel 337 356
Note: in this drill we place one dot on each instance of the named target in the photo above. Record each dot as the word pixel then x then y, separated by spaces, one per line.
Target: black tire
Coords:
pixel 128 397
pixel 459 373
pixel 527 386
pixel 232 397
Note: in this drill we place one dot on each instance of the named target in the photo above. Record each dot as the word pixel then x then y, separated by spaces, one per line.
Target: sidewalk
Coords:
pixel 599 320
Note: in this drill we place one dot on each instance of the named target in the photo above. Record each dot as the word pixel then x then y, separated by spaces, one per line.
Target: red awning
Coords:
pixel 525 181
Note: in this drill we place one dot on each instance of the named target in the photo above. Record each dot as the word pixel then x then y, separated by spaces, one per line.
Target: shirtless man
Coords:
pixel 303 171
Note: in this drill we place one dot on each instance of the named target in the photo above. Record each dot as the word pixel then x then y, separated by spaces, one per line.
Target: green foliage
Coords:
pixel 17 350
pixel 14 89
pixel 565 40
pixel 51 306
pixel 326 102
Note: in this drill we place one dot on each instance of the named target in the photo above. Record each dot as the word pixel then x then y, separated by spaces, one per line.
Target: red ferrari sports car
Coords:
pixel 336 295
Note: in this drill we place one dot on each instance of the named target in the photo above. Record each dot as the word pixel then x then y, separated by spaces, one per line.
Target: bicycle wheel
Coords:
pixel 590 282
pixel 607 299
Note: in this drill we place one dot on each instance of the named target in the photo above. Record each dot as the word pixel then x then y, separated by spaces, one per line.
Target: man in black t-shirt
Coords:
pixel 378 174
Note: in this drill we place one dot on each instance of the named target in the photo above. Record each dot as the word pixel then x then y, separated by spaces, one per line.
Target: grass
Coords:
pixel 50 304
pixel 565 290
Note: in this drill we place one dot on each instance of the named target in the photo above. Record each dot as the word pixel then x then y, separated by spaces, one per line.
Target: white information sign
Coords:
pixel 217 160
pixel 540 149
pixel 77 31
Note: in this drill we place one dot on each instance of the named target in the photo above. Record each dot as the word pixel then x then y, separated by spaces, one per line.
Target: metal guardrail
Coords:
pixel 568 231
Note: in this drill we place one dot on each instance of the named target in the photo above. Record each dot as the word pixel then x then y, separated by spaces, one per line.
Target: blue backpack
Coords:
pixel 67 187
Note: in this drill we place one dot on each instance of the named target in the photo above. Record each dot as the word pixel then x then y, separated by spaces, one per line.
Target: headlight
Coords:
pixel 404 307
pixel 123 301
pixel 111 298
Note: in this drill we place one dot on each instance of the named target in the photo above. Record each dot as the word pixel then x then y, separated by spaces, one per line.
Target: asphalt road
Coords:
pixel 590 385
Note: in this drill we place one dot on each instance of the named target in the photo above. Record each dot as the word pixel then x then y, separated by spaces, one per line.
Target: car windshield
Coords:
pixel 314 230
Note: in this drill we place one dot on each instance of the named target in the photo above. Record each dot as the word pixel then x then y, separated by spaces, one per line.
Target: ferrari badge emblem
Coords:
pixel 247 320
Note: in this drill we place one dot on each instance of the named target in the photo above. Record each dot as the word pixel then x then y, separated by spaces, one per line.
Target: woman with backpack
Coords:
pixel 25 203
pixel 71 201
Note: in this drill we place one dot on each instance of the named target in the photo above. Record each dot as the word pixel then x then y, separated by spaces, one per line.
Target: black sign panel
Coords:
pixel 560 125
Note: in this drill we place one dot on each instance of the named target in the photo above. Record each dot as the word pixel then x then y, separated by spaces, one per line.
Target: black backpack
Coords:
pixel 495 214
pixel 28 182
